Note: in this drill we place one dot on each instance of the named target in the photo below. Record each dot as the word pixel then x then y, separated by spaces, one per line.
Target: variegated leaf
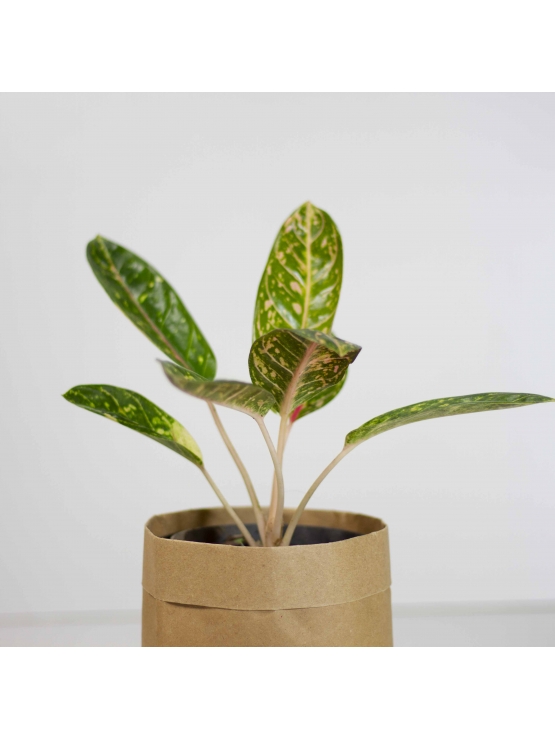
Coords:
pixel 302 279
pixel 441 407
pixel 152 305
pixel 319 400
pixel 250 399
pixel 138 413
pixel 296 365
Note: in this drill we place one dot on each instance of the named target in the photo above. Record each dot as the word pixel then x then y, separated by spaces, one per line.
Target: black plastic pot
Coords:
pixel 229 534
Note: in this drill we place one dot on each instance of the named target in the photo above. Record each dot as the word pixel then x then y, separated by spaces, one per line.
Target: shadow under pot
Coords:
pixel 331 588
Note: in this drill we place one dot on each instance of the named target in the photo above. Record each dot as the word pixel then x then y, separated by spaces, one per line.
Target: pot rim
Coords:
pixel 373 524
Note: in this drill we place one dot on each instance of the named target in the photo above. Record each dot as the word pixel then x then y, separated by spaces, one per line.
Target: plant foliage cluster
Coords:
pixel 296 364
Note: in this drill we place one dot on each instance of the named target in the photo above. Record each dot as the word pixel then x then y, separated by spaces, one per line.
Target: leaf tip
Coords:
pixel 92 250
pixel 309 205
pixel 93 242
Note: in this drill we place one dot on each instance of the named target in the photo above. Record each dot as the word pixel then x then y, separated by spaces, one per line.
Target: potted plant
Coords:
pixel 260 576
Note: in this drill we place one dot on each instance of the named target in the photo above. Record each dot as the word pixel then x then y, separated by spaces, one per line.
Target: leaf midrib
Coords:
pixel 308 284
pixel 295 378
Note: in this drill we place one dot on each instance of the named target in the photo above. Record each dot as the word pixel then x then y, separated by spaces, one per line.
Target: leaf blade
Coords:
pixel 440 407
pixel 296 365
pixel 245 397
pixel 320 400
pixel 301 283
pixel 150 302
pixel 136 412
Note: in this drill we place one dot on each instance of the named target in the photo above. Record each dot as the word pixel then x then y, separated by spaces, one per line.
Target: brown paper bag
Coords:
pixel 199 594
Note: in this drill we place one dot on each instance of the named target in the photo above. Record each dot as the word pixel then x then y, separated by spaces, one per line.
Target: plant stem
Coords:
pixel 301 507
pixel 275 514
pixel 280 458
pixel 276 510
pixel 287 433
pixel 244 474
pixel 244 531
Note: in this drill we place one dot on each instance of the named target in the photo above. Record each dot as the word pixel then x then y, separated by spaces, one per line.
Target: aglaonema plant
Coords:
pixel 296 364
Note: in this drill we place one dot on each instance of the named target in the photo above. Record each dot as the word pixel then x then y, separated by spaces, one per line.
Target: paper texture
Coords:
pixel 199 594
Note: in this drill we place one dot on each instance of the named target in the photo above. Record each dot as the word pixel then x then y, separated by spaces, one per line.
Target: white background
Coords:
pixel 445 204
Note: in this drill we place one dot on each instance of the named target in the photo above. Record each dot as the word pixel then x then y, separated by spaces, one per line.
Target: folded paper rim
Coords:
pixel 270 578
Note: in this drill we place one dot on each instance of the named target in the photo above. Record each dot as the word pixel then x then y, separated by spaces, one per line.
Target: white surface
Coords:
pixel 506 630
pixel 524 624
pixel 445 204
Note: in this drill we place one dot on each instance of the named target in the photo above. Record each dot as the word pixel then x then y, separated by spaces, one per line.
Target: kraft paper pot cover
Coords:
pixel 202 594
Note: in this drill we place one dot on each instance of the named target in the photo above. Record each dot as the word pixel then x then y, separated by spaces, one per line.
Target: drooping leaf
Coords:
pixel 250 399
pixel 319 400
pixel 138 413
pixel 302 279
pixel 296 365
pixel 441 407
pixel 152 304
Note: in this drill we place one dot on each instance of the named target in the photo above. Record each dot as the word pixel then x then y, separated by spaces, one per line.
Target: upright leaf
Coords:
pixel 152 305
pixel 250 399
pixel 441 407
pixel 138 413
pixel 296 365
pixel 302 279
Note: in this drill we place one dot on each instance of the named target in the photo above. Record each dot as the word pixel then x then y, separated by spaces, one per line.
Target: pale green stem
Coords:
pixel 244 474
pixel 280 458
pixel 301 507
pixel 232 513
pixel 275 516
pixel 287 433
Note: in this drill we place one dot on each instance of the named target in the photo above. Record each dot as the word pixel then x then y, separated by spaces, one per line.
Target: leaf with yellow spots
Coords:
pixel 441 407
pixel 250 399
pixel 297 365
pixel 152 304
pixel 301 282
pixel 302 279
pixel 138 413
pixel 319 400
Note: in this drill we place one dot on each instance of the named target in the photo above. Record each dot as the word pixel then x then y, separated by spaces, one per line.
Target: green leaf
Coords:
pixel 301 282
pixel 296 365
pixel 441 407
pixel 302 279
pixel 138 413
pixel 250 399
pixel 152 305
pixel 319 400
